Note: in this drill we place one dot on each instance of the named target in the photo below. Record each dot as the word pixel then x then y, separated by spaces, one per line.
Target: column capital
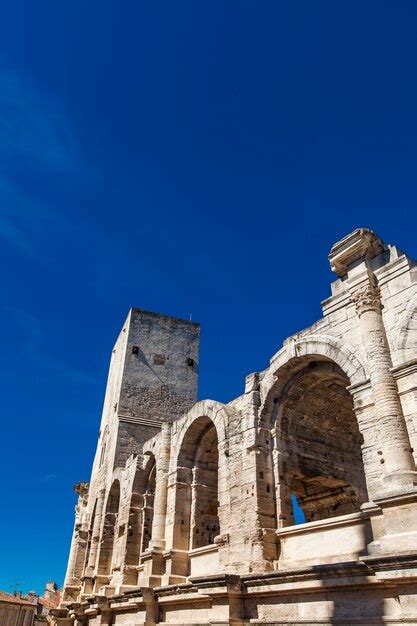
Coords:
pixel 366 298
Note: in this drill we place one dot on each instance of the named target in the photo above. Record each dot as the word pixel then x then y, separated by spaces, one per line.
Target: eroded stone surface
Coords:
pixel 189 514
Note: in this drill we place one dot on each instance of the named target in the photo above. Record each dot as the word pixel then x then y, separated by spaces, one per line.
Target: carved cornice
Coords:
pixel 361 244
pixel 367 298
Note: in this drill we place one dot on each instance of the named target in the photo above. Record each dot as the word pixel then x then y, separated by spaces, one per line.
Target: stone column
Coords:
pixel 151 606
pixel 196 489
pixel 146 520
pixel 176 565
pixel 395 452
pixel 284 512
pixel 105 613
pixel 161 489
pixel 69 576
pixel 152 559
pixel 95 535
pixel 78 547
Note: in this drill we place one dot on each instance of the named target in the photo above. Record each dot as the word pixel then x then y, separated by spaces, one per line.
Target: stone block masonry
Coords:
pixel 189 514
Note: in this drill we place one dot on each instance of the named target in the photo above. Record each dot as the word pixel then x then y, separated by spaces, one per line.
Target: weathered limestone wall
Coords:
pixel 160 379
pixel 153 377
pixel 190 511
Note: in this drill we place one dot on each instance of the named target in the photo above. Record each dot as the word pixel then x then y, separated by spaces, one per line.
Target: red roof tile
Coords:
pixel 8 597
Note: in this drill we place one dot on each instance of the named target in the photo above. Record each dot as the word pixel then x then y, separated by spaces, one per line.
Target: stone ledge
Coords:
pixel 332 522
pixel 361 244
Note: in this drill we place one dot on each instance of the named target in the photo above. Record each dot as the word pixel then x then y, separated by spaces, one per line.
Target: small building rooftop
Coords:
pixel 12 599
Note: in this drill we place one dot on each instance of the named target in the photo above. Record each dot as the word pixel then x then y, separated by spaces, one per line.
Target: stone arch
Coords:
pixel 315 412
pixel 215 411
pixel 335 350
pixel 108 531
pixel 138 506
pixel 295 354
pixel 90 534
pixel 306 404
pixel 199 478
pixel 199 461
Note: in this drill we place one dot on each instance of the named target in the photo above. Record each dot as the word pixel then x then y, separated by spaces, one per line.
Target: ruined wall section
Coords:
pixel 160 378
pixel 153 378
pixel 90 508
pixel 396 278
pixel 359 357
pixel 161 367
pixel 378 277
pixel 393 277
pixel 125 522
pixel 249 473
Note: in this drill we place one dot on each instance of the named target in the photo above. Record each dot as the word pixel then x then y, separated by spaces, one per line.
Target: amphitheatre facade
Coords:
pixel 189 514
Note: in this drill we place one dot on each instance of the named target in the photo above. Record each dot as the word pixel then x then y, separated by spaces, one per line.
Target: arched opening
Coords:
pixel 318 460
pixel 139 528
pixel 148 500
pixel 204 522
pixel 197 498
pixel 90 536
pixel 109 528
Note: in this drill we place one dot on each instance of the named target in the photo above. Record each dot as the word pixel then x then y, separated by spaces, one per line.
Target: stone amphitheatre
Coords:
pixel 189 514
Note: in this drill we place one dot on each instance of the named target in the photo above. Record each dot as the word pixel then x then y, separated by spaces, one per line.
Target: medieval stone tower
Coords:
pixel 189 514
pixel 153 379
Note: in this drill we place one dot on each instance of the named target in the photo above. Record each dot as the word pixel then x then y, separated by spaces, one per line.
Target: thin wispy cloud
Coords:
pixel 39 145
pixel 36 140
pixel 41 166
pixel 32 340
pixel 22 218
pixel 34 126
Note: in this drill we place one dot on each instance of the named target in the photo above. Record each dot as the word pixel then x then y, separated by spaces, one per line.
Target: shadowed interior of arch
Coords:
pixel 319 444
pixel 147 510
pixel 199 461
pixel 90 535
pixel 141 513
pixel 110 524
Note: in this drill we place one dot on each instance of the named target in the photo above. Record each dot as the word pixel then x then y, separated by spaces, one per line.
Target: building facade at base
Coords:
pixel 16 611
pixel 189 514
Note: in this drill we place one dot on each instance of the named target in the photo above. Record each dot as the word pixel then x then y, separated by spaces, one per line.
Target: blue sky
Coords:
pixel 188 158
